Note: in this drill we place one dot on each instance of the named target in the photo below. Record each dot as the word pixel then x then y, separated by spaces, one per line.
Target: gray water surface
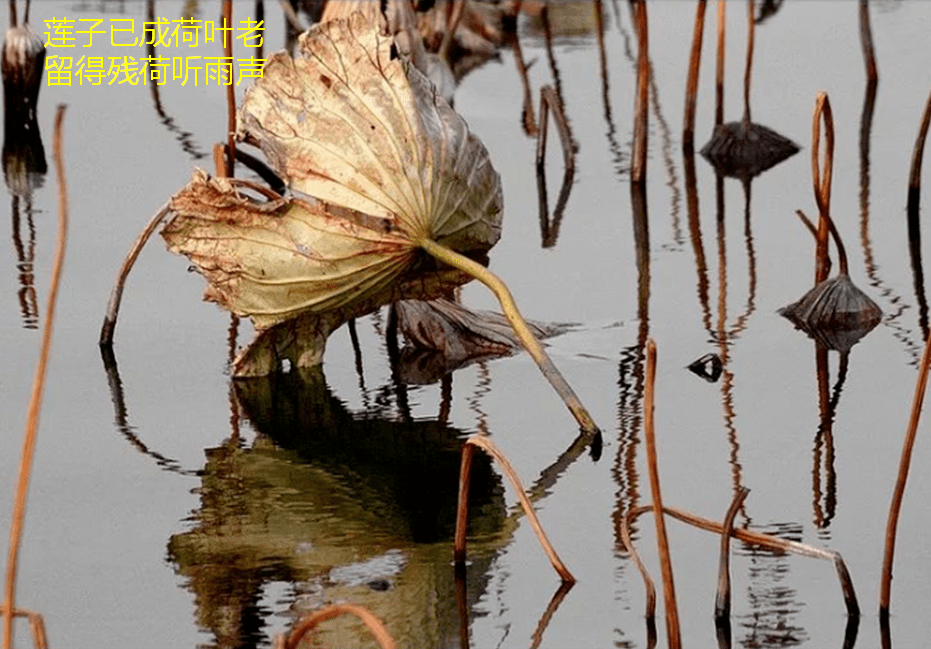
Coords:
pixel 172 508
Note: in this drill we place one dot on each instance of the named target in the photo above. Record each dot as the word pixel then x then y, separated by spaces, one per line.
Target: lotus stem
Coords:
pixel 462 507
pixel 885 591
pixel 641 109
pixel 914 176
pixel 376 626
pixel 749 65
pixel 484 443
pixel 35 400
pixel 665 559
pixel 866 41
pixel 549 101
pixel 116 295
pixel 691 88
pixel 770 542
pixel 230 92
pixel 648 584
pixel 835 234
pixel 822 184
pixel 512 313
pixel 719 68
pixel 722 603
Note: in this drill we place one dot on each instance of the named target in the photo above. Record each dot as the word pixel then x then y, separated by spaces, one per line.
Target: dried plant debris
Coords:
pixel 444 335
pixel 376 163
pixel 353 126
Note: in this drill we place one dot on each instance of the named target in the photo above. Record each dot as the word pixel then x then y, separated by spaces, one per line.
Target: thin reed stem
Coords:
pixel 662 541
pixel 376 626
pixel 719 68
pixel 722 602
pixel 462 506
pixel 230 91
pixel 638 169
pixel 691 87
pixel 512 313
pixel 885 590
pixel 914 176
pixel 866 41
pixel 648 585
pixel 38 384
pixel 549 101
pixel 748 69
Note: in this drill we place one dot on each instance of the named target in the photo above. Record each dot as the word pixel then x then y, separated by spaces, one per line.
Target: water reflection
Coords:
pixel 341 505
pixel 24 164
pixel 824 496
pixel 184 138
pixel 774 604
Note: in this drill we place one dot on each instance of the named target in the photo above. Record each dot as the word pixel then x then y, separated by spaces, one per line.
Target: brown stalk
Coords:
pixel 822 184
pixel 491 449
pixel 719 69
pixel 376 626
pixel 841 250
pixel 116 295
pixel 549 101
pixel 665 560
pixel 866 41
pixel 529 123
pixel 220 165
pixel 35 401
pixel 641 109
pixel 749 65
pixel 691 88
pixel 36 625
pixel 648 584
pixel 769 542
pixel 722 603
pixel 462 506
pixel 914 176
pixel 885 590
pixel 230 92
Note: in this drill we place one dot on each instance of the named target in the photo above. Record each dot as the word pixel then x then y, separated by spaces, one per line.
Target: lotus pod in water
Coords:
pixel 835 312
pixel 744 149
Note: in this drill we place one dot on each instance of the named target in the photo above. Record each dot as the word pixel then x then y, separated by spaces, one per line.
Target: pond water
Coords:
pixel 173 507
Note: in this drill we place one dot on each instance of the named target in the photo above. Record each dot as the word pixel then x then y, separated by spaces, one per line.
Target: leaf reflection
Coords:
pixel 343 505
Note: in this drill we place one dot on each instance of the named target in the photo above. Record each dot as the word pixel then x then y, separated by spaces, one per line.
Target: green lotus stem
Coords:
pixel 511 312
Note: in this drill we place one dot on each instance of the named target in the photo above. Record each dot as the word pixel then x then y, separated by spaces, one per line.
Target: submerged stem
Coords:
pixel 527 339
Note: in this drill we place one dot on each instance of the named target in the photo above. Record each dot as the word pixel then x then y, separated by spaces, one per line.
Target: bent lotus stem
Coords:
pixel 755 538
pixel 491 449
pixel 722 602
pixel 526 337
pixel 116 295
